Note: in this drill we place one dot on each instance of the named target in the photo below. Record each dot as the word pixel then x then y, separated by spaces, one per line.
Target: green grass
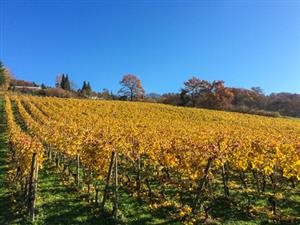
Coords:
pixel 61 204
pixel 58 204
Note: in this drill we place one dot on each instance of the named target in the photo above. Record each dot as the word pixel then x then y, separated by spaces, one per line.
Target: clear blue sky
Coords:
pixel 244 43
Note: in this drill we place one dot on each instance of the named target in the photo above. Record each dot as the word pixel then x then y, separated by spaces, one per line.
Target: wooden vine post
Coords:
pixel 255 176
pixel 138 178
pixel 107 181
pixel 243 179
pixel 113 167
pixel 202 183
pixel 115 207
pixel 77 169
pixel 33 186
pixel 56 158
pixel 225 179
pixel 49 152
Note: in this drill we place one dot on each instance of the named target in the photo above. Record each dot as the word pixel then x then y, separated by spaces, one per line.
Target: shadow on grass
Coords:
pixel 226 209
pixel 293 206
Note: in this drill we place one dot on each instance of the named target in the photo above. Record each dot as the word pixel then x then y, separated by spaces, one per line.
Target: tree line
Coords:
pixel 215 95
pixel 195 92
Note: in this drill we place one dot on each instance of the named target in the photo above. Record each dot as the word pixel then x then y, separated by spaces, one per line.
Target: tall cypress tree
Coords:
pixel 67 83
pixel 63 81
pixel 88 88
pixel 83 86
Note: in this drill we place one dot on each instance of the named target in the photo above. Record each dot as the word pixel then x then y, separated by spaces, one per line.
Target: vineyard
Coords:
pixel 193 166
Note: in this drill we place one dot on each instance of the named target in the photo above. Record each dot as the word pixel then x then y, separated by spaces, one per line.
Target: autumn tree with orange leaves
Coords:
pixel 201 93
pixel 131 87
